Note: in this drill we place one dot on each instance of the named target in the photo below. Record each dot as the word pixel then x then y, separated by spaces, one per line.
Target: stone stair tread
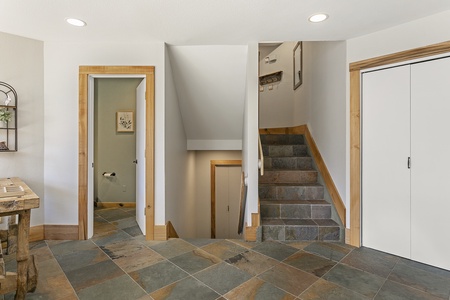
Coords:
pixel 306 202
pixel 299 222
pixel 288 170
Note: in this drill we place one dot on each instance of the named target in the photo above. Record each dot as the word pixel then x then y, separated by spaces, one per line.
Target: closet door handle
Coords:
pixel 409 162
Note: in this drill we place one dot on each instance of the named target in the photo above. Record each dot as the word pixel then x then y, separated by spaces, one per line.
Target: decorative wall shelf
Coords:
pixel 270 78
pixel 8 118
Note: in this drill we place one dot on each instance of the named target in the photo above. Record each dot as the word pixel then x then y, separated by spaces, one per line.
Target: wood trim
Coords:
pixel 402 56
pixel 61 232
pixel 84 72
pixel 355 163
pixel 355 122
pixel 171 232
pixel 116 204
pixel 160 233
pixel 250 232
pixel 37 233
pixel 215 163
pixel 329 183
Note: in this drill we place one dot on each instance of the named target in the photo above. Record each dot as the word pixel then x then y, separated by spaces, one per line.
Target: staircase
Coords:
pixel 292 201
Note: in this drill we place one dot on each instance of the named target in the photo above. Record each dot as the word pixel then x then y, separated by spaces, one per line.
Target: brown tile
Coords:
pixel 172 247
pixel 224 249
pixel 252 262
pixel 310 263
pixel 257 289
pixel 195 261
pixel 323 289
pixel 298 244
pixel 188 288
pixel 288 278
pixel 245 244
pixel 131 255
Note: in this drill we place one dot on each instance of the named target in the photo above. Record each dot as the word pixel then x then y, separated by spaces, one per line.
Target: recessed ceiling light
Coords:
pixel 318 18
pixel 76 22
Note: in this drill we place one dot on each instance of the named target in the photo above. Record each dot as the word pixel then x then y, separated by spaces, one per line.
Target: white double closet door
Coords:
pixel 406 161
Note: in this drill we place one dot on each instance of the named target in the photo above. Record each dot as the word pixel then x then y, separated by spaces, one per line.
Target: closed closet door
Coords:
pixel 430 172
pixel 385 152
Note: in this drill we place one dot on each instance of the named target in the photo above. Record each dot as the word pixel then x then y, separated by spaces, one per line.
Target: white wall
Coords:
pixel 283 106
pixel 210 83
pixel 327 109
pixel 22 66
pixel 250 132
pixel 61 62
pixel 179 164
pixel 422 32
pixel 203 187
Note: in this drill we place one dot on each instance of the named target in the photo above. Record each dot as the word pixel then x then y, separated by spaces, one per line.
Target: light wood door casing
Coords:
pixel 385 152
pixel 430 165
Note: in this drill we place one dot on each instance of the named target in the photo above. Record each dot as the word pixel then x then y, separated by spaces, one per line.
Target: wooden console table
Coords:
pixel 13 203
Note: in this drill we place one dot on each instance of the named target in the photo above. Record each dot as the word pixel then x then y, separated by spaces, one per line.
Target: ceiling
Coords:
pixel 207 22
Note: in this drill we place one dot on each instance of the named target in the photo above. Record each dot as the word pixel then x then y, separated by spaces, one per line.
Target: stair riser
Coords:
pixel 282 139
pixel 288 163
pixel 284 150
pixel 300 233
pixel 288 177
pixel 295 211
pixel 291 192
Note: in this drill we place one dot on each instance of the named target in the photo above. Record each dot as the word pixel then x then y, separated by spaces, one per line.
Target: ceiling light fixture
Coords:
pixel 76 22
pixel 318 18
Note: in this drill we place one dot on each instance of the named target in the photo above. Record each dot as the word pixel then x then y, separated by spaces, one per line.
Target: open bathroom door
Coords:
pixel 140 155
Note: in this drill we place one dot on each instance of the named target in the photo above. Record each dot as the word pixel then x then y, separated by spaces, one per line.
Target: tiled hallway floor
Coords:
pixel 117 263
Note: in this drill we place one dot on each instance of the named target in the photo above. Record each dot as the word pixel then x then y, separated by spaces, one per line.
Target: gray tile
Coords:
pixel 356 280
pixel 188 288
pixel 195 261
pixel 125 223
pixel 224 249
pixel 310 263
pixel 421 280
pixel 113 214
pixel 324 290
pixel 200 242
pixel 273 233
pixel 295 211
pixel 329 233
pixel 172 248
pixel 111 237
pixel 257 289
pixel 372 261
pixel 222 277
pixel 252 262
pixel 133 231
pixel 270 210
pixel 76 260
pixel 275 250
pixel 395 291
pixel 320 211
pixel 67 247
pixel 157 276
pixel 118 288
pixel 81 278
pixel 302 233
pixel 333 251
pixel 428 268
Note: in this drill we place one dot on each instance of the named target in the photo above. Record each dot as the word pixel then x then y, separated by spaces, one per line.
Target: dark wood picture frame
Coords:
pixel 298 65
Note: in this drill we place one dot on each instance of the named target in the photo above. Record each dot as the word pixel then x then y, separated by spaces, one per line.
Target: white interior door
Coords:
pixel 228 180
pixel 430 152
pixel 385 152
pixel 140 155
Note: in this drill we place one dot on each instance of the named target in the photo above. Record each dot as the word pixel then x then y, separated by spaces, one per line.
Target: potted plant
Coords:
pixel 5 115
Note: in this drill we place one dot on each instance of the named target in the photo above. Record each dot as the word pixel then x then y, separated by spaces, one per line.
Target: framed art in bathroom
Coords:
pixel 125 121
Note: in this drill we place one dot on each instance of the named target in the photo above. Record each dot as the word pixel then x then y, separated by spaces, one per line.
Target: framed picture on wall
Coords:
pixel 298 62
pixel 125 121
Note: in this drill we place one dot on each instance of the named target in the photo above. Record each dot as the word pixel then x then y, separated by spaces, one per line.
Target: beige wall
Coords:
pixel 114 151
pixel 203 187
pixel 22 66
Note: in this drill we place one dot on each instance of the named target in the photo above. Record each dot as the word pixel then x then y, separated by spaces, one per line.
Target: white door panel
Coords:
pixel 140 155
pixel 430 153
pixel 385 152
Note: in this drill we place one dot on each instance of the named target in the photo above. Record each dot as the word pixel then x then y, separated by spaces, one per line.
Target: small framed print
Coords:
pixel 125 121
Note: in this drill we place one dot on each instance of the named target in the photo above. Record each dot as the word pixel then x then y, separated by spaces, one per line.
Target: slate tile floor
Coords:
pixel 118 263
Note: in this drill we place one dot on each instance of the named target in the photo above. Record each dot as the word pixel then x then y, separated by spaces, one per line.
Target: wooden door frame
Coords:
pixel 355 68
pixel 214 164
pixel 84 73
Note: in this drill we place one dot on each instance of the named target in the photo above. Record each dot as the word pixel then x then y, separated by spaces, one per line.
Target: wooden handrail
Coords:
pixel 260 156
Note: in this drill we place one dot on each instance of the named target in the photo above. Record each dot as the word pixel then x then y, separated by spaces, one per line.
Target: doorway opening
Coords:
pixel 144 145
pixel 225 198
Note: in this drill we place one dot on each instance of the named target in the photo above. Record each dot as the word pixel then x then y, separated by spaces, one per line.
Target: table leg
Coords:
pixel 22 254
